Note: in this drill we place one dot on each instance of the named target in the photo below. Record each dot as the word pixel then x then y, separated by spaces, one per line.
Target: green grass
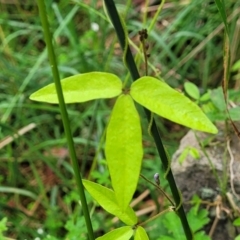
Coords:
pixel 36 186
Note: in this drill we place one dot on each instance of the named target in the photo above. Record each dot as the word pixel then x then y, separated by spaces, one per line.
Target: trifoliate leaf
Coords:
pixel 82 88
pixel 161 99
pixel 124 149
pixel 107 200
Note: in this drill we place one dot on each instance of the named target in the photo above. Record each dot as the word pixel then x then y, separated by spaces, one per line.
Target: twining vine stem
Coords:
pixel 159 189
pixel 129 60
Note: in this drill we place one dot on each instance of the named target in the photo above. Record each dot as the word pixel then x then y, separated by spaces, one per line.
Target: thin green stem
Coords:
pixel 113 14
pixel 213 168
pixel 159 189
pixel 170 209
pixel 145 12
pixel 154 20
pixel 64 114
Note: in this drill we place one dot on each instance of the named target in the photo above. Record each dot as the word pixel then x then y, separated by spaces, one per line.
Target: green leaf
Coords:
pixel 123 233
pixel 188 150
pixel 172 222
pixel 194 152
pixel 167 238
pixel 196 202
pixel 3 225
pixel 236 66
pixel 217 116
pixel 124 149
pixel 183 155
pixel 217 99
pixel 161 99
pixel 222 10
pixel 107 200
pixel 140 234
pixel 235 113
pixel 192 90
pixel 236 222
pixel 205 97
pixel 198 220
pixel 82 88
pixel 201 236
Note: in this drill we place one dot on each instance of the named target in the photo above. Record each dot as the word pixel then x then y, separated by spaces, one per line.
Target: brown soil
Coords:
pixel 195 177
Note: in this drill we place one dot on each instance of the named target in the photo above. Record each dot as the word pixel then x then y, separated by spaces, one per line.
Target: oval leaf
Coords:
pixel 140 234
pixel 235 113
pixel 123 233
pixel 236 222
pixel 82 88
pixel 107 200
pixel 192 90
pixel 124 149
pixel 161 99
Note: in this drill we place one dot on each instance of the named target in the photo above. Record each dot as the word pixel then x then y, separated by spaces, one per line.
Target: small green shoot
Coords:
pixel 188 151
pixel 212 102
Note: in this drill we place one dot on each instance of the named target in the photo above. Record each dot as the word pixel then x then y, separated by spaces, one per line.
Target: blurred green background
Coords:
pixel 37 188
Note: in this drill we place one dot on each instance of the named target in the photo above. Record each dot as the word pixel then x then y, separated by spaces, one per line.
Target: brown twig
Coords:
pixel 21 132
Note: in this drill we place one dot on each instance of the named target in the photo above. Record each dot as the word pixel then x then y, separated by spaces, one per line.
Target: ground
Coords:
pixel 195 177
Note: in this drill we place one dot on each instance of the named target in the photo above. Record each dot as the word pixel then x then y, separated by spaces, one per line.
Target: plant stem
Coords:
pixel 113 14
pixel 159 189
pixel 64 114
pixel 170 209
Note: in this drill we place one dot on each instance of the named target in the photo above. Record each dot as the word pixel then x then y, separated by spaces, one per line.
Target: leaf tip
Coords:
pixel 211 129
